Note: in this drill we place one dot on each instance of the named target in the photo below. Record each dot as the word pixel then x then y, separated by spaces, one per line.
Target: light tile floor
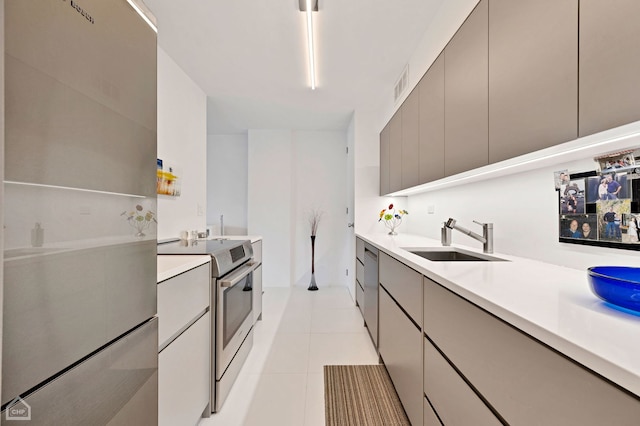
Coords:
pixel 282 382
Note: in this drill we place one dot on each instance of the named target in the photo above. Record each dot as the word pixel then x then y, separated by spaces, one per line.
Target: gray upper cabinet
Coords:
pixel 466 94
pixel 395 152
pixel 609 64
pixel 110 99
pixel 411 140
pixel 431 89
pixel 384 159
pixel 533 74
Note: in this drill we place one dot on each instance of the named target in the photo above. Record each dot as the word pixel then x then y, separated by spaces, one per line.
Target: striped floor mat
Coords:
pixel 361 395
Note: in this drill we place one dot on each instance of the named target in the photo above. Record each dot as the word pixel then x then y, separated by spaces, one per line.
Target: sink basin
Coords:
pixel 452 255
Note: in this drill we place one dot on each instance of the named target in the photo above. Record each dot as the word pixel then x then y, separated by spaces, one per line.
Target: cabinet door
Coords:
pixel 411 140
pixel 257 294
pixel 447 391
pixel 184 372
pixel 400 344
pixel 395 152
pixel 430 417
pixel 522 379
pixel 533 75
pixel 385 140
pixel 431 130
pixel 609 64
pixel 403 284
pixel 370 287
pixel 181 299
pixel 466 94
pixel 360 249
pixel 360 298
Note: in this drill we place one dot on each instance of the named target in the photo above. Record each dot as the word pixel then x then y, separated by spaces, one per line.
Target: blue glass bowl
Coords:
pixel 619 285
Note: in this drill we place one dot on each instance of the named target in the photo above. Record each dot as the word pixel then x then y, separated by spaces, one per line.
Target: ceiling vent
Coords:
pixel 401 84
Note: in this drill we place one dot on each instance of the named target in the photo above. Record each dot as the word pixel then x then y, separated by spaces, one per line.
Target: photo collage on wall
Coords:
pixel 602 207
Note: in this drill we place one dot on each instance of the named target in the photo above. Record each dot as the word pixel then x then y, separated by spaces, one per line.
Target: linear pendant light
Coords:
pixel 312 65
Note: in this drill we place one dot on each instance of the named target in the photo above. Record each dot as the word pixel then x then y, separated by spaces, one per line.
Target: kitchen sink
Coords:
pixel 453 255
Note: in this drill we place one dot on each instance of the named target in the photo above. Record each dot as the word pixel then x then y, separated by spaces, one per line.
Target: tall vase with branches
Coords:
pixel 314 220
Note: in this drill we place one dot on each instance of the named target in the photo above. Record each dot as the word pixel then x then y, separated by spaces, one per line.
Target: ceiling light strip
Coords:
pixel 312 65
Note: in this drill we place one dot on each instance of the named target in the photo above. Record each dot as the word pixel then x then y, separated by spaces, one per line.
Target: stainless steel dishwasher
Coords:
pixel 371 291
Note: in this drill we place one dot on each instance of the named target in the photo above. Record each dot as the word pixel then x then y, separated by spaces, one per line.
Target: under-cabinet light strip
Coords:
pixel 475 175
pixel 312 65
pixel 68 188
pixel 143 15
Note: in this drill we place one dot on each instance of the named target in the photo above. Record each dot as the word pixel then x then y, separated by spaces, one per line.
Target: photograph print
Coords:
pixel 581 226
pixel 618 161
pixel 630 229
pixel 610 213
pixel 572 197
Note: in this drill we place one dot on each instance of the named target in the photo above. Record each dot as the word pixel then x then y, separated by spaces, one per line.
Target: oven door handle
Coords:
pixel 237 276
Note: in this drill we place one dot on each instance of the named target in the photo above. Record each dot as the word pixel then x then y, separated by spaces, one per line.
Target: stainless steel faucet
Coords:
pixel 486 238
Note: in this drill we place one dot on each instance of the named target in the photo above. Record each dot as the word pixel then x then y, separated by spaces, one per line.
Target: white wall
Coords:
pixel 524 210
pixel 227 182
pixel 290 173
pixel 182 141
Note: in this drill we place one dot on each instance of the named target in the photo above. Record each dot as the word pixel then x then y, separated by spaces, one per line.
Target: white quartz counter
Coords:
pixel 551 303
pixel 253 238
pixel 171 265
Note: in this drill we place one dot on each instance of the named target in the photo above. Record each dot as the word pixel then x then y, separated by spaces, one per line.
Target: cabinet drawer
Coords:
pixel 257 251
pixel 447 391
pixel 360 250
pixel 400 345
pixel 360 272
pixel 360 297
pixel 404 284
pixel 181 299
pixel 184 375
pixel 523 380
pixel 429 417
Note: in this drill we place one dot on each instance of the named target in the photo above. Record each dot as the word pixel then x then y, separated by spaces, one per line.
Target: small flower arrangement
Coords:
pixel 139 219
pixel 392 218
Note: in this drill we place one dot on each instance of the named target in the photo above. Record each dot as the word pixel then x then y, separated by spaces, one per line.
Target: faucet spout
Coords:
pixel 487 230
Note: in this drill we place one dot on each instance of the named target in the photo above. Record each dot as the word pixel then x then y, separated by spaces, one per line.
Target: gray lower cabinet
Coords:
pixel 370 287
pixel 609 64
pixel 184 346
pixel 395 152
pixel 526 382
pixel 360 249
pixel 360 297
pixel 466 94
pixel 448 392
pixel 126 371
pixel 429 416
pixel 533 75
pixel 257 281
pixel 411 140
pixel 431 127
pixel 385 141
pixel 403 284
pixel 360 282
pixel 400 347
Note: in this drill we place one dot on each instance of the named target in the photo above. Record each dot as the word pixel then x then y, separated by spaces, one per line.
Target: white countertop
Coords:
pixel 551 303
pixel 253 238
pixel 171 265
